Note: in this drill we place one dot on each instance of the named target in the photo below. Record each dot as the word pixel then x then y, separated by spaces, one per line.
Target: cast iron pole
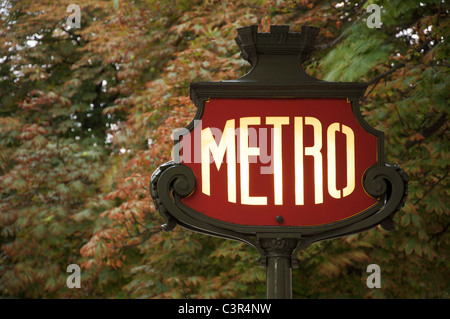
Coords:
pixel 278 253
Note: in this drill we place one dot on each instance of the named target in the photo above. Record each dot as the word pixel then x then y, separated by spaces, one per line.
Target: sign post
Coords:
pixel 278 266
pixel 278 159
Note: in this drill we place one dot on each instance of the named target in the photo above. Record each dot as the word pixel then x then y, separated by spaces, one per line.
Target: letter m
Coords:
pixel 209 146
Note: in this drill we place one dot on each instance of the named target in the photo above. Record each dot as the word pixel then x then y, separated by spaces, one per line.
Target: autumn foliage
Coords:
pixel 87 114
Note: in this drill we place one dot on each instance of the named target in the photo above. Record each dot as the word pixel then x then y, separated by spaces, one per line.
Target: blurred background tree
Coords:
pixel 86 116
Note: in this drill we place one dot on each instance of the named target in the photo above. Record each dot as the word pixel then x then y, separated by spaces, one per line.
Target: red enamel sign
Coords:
pixel 302 160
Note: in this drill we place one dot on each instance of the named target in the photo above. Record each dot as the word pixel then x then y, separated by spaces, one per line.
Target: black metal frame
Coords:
pixel 274 75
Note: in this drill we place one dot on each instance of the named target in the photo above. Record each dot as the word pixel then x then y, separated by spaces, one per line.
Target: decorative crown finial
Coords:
pixel 278 41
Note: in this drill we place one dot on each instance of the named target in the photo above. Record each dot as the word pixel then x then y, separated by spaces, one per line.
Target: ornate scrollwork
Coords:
pixel 170 179
pixel 391 182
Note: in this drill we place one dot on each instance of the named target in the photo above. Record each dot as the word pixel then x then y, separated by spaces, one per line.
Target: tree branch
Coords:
pixel 379 77
pixel 429 130
pixel 397 66
pixel 432 186
pixel 336 40
pixel 385 74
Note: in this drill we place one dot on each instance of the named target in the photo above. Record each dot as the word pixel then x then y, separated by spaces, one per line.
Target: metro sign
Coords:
pixel 278 159
pixel 301 160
